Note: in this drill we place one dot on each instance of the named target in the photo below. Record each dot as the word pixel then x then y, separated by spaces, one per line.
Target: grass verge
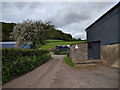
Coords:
pixel 68 61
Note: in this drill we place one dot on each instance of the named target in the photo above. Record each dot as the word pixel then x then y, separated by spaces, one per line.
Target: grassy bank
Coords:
pixel 68 61
pixel 17 62
pixel 53 44
pixel 53 40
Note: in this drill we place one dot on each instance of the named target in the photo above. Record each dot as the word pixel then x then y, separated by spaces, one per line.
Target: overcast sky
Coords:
pixel 70 17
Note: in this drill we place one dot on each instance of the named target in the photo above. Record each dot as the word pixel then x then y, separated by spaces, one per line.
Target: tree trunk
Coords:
pixel 33 45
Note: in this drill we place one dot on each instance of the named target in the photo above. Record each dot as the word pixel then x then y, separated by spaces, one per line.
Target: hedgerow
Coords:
pixel 16 62
pixel 60 52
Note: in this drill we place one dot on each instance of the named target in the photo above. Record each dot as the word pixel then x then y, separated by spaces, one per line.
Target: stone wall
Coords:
pixel 78 52
pixel 110 54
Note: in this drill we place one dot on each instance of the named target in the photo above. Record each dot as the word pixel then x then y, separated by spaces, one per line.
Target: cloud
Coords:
pixel 79 35
pixel 70 17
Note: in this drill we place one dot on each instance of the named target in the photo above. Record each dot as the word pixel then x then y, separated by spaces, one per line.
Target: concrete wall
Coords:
pixel 110 54
pixel 78 54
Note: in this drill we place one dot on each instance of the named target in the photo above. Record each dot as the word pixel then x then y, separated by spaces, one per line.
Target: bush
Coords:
pixel 60 52
pixel 20 61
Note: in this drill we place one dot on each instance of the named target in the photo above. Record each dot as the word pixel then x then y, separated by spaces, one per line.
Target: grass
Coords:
pixel 53 44
pixel 54 40
pixel 68 61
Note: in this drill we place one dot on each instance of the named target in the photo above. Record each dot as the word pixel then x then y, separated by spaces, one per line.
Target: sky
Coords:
pixel 70 17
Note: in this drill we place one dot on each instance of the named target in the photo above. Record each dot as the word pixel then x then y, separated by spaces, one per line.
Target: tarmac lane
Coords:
pixel 56 74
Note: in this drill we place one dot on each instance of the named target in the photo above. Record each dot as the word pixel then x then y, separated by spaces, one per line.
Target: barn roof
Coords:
pixel 118 4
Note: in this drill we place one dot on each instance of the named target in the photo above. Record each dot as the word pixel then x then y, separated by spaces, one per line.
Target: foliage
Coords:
pixel 6 30
pixel 16 62
pixel 68 61
pixel 79 39
pixel 58 34
pixel 60 52
pixel 53 44
pixel 32 31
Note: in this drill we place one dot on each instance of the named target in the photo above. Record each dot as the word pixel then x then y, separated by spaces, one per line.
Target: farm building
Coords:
pixel 13 45
pixel 103 39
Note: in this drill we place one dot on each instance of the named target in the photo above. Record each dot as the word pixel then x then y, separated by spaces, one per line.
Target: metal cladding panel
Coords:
pixel 119 27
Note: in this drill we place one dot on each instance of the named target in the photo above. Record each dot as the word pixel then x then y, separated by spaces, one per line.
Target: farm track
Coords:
pixel 56 74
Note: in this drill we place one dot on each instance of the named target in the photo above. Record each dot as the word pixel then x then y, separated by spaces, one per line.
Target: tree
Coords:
pixel 79 39
pixel 6 30
pixel 58 34
pixel 32 31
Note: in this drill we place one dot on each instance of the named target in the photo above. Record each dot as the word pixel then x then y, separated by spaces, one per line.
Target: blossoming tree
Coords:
pixel 32 31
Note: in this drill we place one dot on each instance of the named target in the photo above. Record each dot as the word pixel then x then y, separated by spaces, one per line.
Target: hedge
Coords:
pixel 16 62
pixel 60 52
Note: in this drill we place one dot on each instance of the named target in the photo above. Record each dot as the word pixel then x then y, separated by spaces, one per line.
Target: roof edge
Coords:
pixel 118 4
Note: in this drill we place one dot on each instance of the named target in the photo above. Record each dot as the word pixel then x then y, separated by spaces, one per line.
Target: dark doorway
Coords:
pixel 94 50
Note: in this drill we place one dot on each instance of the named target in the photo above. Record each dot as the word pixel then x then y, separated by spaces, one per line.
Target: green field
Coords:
pixel 56 42
pixel 49 40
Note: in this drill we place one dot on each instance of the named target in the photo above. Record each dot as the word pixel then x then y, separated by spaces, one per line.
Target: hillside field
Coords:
pixel 57 42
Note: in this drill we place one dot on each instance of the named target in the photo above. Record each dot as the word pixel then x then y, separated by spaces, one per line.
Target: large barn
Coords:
pixel 103 37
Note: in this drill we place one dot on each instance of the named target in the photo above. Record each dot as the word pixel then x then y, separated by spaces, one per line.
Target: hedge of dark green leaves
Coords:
pixel 60 52
pixel 16 62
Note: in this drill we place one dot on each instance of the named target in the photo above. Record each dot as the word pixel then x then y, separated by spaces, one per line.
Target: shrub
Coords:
pixel 60 52
pixel 20 61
